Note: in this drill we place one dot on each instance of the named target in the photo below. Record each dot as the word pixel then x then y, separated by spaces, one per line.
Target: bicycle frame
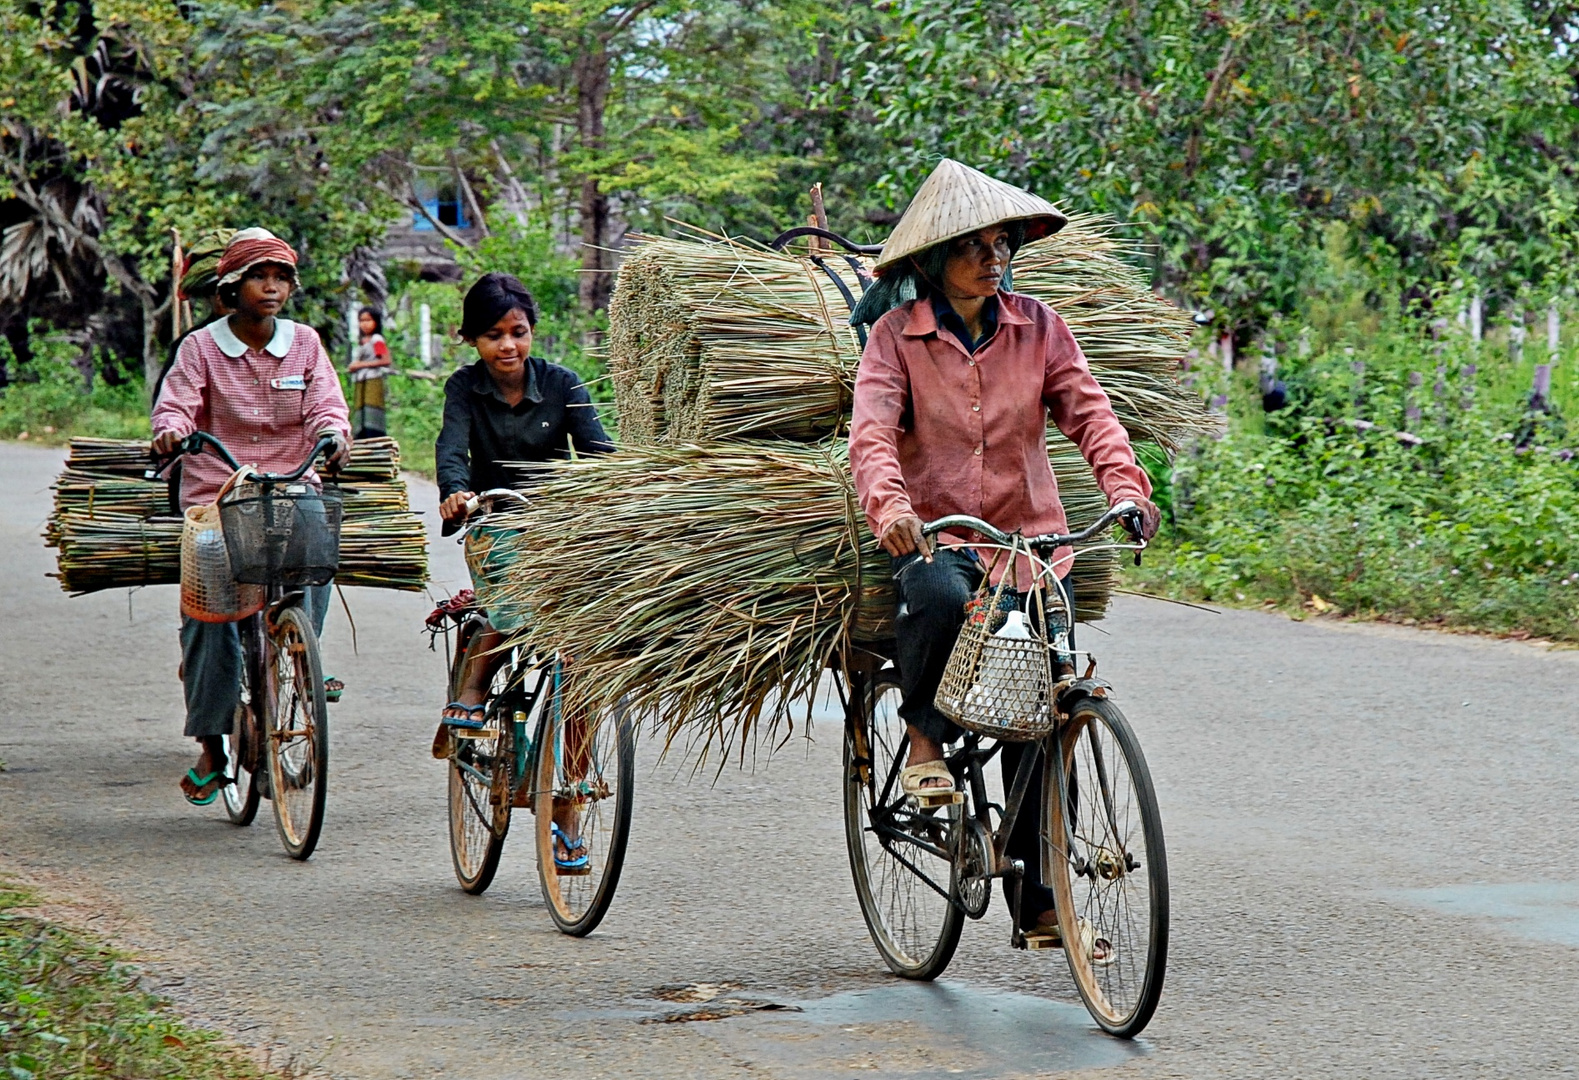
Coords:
pixel 890 817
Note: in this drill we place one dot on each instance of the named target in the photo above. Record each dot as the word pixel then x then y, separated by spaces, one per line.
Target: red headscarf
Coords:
pixel 249 248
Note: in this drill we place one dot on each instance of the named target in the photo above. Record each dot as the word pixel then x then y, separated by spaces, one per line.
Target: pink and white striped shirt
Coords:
pixel 267 405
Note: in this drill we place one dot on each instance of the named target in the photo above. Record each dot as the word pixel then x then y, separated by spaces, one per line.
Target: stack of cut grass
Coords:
pixel 113 531
pixel 711 571
pixel 719 340
pixel 723 340
pixel 728 585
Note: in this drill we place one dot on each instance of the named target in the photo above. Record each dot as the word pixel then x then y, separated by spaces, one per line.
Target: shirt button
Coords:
pixel 978 451
pixel 975 408
pixel 254 382
pixel 970 363
pixel 255 439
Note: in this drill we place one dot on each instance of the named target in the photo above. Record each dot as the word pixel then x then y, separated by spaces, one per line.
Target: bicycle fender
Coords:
pixel 1081 688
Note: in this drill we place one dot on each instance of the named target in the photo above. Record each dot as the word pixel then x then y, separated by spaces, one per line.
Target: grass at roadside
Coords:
pixel 70 1006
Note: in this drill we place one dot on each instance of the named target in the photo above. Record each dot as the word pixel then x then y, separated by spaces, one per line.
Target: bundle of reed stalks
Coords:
pixel 373 459
pixel 384 551
pixel 110 551
pixel 722 339
pixel 89 494
pixel 363 498
pixel 109 457
pixel 107 551
pixel 720 594
pixel 719 339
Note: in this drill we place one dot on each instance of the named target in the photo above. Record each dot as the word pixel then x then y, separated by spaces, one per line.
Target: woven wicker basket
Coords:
pixel 998 686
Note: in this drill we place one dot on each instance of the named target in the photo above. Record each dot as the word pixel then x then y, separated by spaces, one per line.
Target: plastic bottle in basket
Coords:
pixel 1007 689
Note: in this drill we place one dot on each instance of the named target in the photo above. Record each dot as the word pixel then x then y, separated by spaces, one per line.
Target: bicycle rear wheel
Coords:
pixel 900 856
pixel 296 733
pixel 583 782
pixel 1105 861
pixel 481 776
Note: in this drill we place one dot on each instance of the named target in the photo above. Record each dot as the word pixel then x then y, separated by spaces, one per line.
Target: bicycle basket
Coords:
pixel 996 684
pixel 209 589
pixel 285 534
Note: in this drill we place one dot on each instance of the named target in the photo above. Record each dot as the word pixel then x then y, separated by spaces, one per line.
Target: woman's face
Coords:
pixel 976 263
pixel 366 324
pixel 505 346
pixel 264 290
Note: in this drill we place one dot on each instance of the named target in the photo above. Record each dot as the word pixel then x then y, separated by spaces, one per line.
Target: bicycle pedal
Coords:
pixel 944 798
pixel 1036 942
pixel 474 733
pixel 582 871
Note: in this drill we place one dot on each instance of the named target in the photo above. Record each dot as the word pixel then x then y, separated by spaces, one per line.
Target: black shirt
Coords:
pixel 949 320
pixel 483 433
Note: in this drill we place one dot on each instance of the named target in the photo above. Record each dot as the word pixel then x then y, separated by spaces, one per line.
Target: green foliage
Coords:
pixel 72 1007
pixel 54 407
pixel 1230 133
pixel 1462 529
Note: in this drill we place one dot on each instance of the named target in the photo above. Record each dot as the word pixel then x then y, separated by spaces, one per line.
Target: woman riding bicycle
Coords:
pixel 264 386
pixel 509 407
pixel 952 400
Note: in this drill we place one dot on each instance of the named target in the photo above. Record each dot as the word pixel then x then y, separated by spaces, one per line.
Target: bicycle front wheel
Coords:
pixel 296 733
pixel 583 783
pixel 1104 859
pixel 900 855
pixel 481 780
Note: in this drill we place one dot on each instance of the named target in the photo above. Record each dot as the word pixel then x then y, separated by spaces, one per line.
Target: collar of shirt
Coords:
pixel 949 319
pixel 483 381
pixel 233 347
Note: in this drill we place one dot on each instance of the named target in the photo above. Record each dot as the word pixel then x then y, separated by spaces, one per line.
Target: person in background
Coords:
pixel 368 372
pixel 263 386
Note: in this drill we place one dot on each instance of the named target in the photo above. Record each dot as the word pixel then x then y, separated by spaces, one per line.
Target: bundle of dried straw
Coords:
pixel 719 339
pixel 727 586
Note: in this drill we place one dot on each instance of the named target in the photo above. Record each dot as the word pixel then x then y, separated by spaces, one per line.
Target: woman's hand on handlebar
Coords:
pixel 1150 518
pixel 904 536
pixel 454 507
pixel 338 455
pixel 165 443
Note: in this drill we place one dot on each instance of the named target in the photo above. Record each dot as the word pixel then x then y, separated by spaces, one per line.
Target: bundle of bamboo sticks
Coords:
pixel 113 529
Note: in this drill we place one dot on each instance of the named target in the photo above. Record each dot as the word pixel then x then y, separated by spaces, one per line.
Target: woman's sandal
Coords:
pixel 217 778
pixel 476 716
pixel 911 777
pixel 1050 937
pixel 575 864
pixel 332 694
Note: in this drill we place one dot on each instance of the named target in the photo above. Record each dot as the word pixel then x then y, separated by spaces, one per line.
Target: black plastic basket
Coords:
pixel 282 534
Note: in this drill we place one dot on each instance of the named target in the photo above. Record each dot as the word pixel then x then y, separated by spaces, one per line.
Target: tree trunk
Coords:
pixel 592 91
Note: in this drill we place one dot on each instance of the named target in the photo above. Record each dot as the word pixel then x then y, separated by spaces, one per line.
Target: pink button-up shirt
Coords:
pixel 268 405
pixel 937 430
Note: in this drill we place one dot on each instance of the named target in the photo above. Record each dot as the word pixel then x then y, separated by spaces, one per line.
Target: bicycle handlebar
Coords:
pixel 490 496
pixel 1126 512
pixel 194 443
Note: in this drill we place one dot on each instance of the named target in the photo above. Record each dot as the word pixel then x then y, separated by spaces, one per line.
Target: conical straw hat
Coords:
pixel 957 199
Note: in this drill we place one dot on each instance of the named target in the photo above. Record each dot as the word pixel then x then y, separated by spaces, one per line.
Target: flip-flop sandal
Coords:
pixel 576 864
pixel 329 694
pixel 479 712
pixel 911 778
pixel 201 782
pixel 1088 937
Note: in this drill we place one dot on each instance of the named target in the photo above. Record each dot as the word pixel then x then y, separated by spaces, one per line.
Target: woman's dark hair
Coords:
pixel 491 299
pixel 918 276
pixel 378 318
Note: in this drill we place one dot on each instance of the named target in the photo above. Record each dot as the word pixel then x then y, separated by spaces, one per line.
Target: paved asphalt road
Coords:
pixel 1372 835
